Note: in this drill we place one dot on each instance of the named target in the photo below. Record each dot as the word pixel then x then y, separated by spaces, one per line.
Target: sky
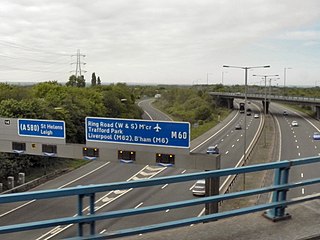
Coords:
pixel 161 42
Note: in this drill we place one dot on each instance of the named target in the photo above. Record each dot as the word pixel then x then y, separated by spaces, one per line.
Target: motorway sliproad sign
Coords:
pixel 41 128
pixel 142 132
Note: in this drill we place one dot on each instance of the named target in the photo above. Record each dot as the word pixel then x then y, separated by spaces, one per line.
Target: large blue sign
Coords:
pixel 41 128
pixel 158 133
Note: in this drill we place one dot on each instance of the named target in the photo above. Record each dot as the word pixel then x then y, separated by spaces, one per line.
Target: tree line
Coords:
pixel 51 100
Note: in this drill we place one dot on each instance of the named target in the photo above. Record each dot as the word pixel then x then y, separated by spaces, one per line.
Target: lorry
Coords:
pixel 241 107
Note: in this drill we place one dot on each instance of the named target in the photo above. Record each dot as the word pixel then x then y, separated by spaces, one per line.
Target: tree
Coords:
pixel 99 81
pixel 72 81
pixel 81 82
pixel 93 79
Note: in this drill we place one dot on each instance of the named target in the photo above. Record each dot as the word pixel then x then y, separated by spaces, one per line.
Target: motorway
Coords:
pixel 296 142
pixel 230 142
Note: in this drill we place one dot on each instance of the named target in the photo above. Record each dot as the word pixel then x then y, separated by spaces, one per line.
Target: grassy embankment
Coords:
pixel 203 126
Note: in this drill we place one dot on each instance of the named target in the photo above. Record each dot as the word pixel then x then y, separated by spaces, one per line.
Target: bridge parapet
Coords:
pixel 276 209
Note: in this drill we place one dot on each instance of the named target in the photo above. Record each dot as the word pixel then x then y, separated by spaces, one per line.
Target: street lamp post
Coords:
pixel 265 100
pixel 222 75
pixel 245 110
pixel 271 79
pixel 284 79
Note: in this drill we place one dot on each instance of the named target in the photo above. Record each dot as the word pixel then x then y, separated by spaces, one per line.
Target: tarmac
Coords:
pixel 304 223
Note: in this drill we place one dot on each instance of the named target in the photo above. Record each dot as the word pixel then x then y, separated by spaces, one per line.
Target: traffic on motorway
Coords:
pixel 297 139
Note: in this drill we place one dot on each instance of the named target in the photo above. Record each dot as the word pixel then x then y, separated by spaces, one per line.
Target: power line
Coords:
pixel 29 59
pixel 24 69
pixel 27 48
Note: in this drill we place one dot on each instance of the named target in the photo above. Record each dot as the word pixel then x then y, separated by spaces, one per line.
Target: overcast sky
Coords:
pixel 160 41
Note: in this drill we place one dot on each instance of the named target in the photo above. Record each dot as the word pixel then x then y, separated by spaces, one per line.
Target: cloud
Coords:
pixel 307 35
pixel 144 36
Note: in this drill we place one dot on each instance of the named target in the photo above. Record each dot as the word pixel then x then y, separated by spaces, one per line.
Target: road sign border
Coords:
pixel 45 120
pixel 141 144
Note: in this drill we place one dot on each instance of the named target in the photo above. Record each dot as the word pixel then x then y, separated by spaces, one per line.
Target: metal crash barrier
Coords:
pixel 275 210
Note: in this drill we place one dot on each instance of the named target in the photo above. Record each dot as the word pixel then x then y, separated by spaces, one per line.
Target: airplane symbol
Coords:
pixel 157 128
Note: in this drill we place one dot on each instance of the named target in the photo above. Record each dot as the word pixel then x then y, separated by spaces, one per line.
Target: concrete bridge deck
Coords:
pixel 304 224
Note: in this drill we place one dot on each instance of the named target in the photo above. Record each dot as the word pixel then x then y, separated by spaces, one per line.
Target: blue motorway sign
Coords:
pixel 157 133
pixel 41 128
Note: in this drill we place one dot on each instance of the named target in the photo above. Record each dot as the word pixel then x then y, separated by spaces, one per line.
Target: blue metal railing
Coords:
pixel 275 209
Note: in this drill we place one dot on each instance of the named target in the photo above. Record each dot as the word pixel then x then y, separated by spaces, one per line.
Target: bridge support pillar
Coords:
pixel 266 105
pixel 318 112
pixel 230 103
pixel 225 102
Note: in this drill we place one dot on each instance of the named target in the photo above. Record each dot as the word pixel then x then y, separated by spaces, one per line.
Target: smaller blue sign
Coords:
pixel 41 128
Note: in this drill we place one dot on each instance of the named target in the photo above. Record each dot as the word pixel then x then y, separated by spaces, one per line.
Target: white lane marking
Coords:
pixel 227 135
pixel 294 136
pixel 302 174
pixel 148 115
pixel 297 146
pixel 221 140
pixel 164 186
pixel 208 139
pixel 302 190
pixel 27 203
pixel 157 170
pixel 192 186
pixel 183 171
pixel 227 152
pixel 315 147
pixel 138 205
pixel 202 212
pixel 56 230
pixel 167 210
pixel 241 135
pixel 232 145
pixel 83 175
pixel 299 154
pixel 238 140
pixel 296 140
pixel 103 231
pixel 149 103
pixel 14 209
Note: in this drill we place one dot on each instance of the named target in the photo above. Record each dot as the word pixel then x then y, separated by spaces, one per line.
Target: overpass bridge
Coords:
pixel 306 217
pixel 226 99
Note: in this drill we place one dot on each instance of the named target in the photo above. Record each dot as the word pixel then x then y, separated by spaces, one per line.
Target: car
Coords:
pixel 256 115
pixel 238 127
pixel 213 149
pixel 316 136
pixel 294 124
pixel 285 112
pixel 199 189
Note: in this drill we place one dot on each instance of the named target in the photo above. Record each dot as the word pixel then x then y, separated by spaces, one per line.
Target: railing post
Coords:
pixel 281 176
pixel 80 209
